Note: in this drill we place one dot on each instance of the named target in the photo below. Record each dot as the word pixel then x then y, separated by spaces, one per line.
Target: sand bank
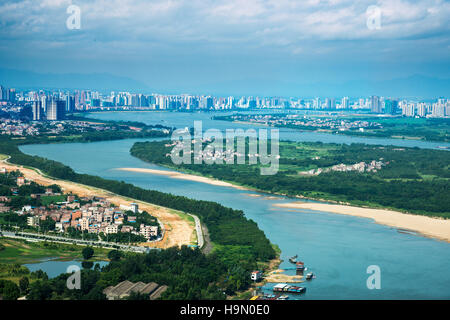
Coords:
pixel 278 276
pixel 184 176
pixel 430 227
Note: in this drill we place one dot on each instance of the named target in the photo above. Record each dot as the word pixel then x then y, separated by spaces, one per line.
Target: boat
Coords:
pixel 284 297
pixel 283 287
pixel 310 276
pixel 300 266
pixel 293 259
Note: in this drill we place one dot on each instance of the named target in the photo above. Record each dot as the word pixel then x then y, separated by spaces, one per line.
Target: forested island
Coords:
pixel 405 179
pixel 428 129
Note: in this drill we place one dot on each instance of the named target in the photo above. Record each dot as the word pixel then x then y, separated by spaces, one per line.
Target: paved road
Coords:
pixel 198 229
pixel 103 244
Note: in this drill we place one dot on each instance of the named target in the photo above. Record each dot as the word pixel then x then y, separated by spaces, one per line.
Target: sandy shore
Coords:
pixel 430 227
pixel 184 176
pixel 179 231
pixel 278 276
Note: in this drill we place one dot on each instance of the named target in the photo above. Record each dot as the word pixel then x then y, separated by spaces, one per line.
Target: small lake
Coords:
pixel 54 268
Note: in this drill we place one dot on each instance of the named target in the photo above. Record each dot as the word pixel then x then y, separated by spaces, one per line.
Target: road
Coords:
pixel 198 229
pixel 103 244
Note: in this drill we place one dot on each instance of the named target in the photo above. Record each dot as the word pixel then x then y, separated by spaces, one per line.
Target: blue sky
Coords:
pixel 230 47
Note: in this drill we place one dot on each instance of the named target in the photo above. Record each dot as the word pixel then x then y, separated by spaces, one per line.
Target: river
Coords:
pixel 337 248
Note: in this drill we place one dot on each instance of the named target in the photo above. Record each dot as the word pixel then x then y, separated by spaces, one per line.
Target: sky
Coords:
pixel 249 47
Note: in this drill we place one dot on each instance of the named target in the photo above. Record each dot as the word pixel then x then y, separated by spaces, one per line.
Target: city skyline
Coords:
pixel 53 105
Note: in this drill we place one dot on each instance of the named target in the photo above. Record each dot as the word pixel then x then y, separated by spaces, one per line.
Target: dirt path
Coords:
pixel 178 230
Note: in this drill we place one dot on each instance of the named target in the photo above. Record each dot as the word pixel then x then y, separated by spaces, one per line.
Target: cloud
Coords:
pixel 230 20
pixel 175 36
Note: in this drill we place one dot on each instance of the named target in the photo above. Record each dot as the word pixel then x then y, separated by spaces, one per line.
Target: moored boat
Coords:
pixel 310 276
pixel 293 259
pixel 283 287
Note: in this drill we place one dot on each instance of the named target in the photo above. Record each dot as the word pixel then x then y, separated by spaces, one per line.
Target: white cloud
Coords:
pixel 256 22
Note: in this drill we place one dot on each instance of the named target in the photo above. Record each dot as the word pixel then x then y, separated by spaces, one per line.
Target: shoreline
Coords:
pixel 328 131
pixel 183 176
pixel 429 227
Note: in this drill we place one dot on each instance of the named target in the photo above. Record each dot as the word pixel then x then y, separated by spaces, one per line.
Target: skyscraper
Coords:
pixel 330 103
pixel 56 109
pixel 70 103
pixel 2 92
pixel 37 110
pixel 390 106
pixel 375 105
pixel 344 103
pixel 44 103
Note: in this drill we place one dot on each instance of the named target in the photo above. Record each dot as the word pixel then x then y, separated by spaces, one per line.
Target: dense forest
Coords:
pixel 412 179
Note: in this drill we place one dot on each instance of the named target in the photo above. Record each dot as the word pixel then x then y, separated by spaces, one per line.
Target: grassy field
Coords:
pixel 46 200
pixel 22 252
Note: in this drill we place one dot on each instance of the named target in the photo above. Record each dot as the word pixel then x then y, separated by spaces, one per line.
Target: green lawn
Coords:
pixel 46 200
pixel 21 252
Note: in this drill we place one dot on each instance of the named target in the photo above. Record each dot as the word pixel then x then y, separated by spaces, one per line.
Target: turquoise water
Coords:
pixel 181 120
pixel 337 248
pixel 54 268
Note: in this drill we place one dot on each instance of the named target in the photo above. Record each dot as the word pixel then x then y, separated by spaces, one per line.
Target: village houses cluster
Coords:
pixel 14 127
pixel 96 215
pixel 372 166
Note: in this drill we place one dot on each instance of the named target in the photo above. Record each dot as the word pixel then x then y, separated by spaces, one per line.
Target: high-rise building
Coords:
pixel 410 110
pixel 344 103
pixel 421 109
pixel 12 95
pixel 390 106
pixel 330 103
pixel 316 103
pixel 37 110
pixel 375 105
pixel 44 103
pixel 70 103
pixel 56 109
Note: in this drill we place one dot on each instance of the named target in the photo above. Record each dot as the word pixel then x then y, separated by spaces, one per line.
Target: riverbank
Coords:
pixel 178 230
pixel 429 227
pixel 184 176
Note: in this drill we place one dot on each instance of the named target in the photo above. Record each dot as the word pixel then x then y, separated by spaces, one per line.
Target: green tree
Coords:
pixel 114 255
pixel 87 253
pixel 9 290
pixel 23 284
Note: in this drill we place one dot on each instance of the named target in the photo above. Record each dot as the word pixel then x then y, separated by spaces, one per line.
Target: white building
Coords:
pixel 112 228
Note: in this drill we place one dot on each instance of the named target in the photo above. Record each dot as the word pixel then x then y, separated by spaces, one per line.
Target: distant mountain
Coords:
pixel 21 79
pixel 416 86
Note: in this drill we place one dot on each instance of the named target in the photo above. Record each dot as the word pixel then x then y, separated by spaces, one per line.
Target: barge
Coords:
pixel 283 287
